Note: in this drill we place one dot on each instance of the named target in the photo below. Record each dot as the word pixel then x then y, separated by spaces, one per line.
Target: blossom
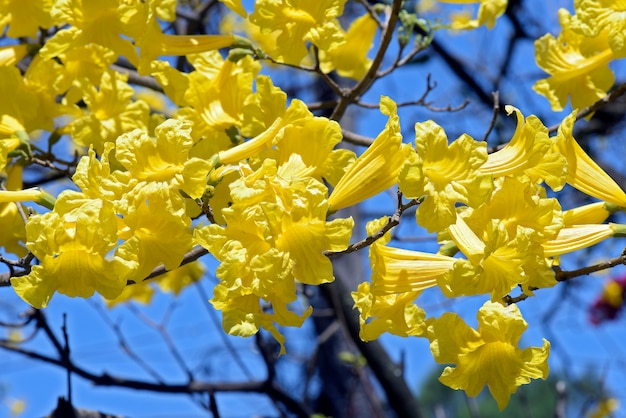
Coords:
pixel 156 231
pixel 25 18
pixel 530 151
pixel 494 264
pixel 306 150
pixel 377 168
pixel 276 232
pixel 488 355
pixel 593 213
pixel 162 159
pixel 397 271
pixel 521 207
pixel 444 175
pixel 13 236
pixel 578 237
pixel 583 172
pixel 71 243
pixel 595 16
pixel 139 20
pixel 298 22
pixel 89 23
pixel 349 58
pixel 488 12
pixel 393 313
pixel 111 112
pixel 578 66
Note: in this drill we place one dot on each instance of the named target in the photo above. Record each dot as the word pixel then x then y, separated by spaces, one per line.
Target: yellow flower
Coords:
pixel 71 243
pixel 23 108
pixel 520 206
pixel 582 172
pixel 444 174
pixel 495 264
pixel 377 168
pixel 396 270
pixel 306 150
pixel 296 113
pixel 529 152
pixel 13 236
pixel 276 233
pixel 25 18
pixel 489 355
pixel 593 213
pixel 176 280
pixel 578 237
pixel 299 22
pixel 595 16
pixel 111 112
pixel 578 66
pixel 349 59
pixel 395 314
pixel 90 22
pixel 140 23
pixel 162 159
pixel 140 292
pixel 488 12
pixel 156 231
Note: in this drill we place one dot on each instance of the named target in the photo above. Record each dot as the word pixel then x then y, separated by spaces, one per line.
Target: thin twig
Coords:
pixel 354 93
pixel 494 116
pixel 393 221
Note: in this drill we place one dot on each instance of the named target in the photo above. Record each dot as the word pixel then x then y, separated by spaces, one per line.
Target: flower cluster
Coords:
pixel 237 169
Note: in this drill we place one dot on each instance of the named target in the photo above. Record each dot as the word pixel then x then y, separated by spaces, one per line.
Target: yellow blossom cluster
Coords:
pixel 578 58
pixel 259 182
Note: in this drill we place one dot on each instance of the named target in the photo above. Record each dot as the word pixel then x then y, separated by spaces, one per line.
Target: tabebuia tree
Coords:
pixel 138 136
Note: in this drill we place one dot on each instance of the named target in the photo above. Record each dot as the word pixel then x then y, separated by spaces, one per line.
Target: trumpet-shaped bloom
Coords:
pixel 13 236
pixel 156 231
pixel 25 18
pixel 90 22
pixel 529 152
pixel 593 213
pixel 140 22
pixel 349 59
pixel 377 168
pixel 396 270
pixel 488 12
pixel 494 265
pixel 163 159
pixel 594 16
pixel 578 66
pixel 582 172
pixel 111 112
pixel 298 22
pixel 520 207
pixel 444 174
pixel 71 242
pixel 578 237
pixel 306 150
pixel 394 313
pixel 489 355
pixel 295 114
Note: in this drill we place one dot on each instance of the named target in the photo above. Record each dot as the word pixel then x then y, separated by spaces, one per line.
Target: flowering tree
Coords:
pixel 164 144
